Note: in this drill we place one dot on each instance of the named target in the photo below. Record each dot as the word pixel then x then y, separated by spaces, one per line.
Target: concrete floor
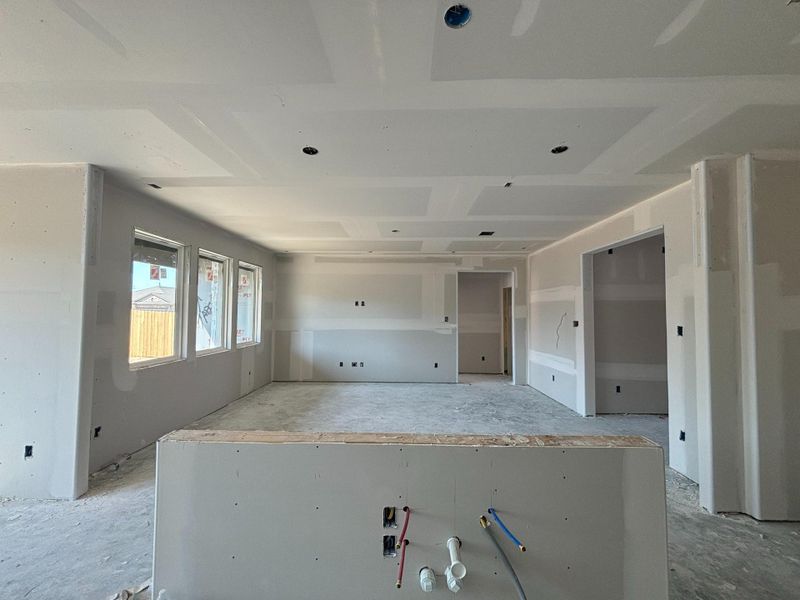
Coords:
pixel 92 547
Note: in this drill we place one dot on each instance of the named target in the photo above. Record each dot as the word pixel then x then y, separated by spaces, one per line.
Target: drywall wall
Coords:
pixel 560 281
pixel 748 281
pixel 134 407
pixel 718 277
pixel 630 331
pixel 267 520
pixel 772 447
pixel 48 242
pixel 480 322
pixel 404 331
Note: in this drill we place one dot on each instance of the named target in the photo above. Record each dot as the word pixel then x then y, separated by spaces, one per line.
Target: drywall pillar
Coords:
pixel 48 238
pixel 748 316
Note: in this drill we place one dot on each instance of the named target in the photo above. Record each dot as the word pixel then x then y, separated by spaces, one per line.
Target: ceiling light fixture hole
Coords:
pixel 508 184
pixel 310 150
pixel 395 230
pixel 155 186
pixel 486 233
pixel 457 16
pixel 559 149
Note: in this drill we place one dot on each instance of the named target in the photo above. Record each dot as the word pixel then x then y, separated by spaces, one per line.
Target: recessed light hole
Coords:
pixel 155 186
pixel 559 149
pixel 457 16
pixel 486 233
pixel 310 150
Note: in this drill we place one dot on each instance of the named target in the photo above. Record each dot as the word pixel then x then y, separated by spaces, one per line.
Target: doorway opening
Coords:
pixel 485 323
pixel 625 336
pixel 508 368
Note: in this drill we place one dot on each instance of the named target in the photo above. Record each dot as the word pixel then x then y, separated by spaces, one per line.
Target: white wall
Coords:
pixel 749 209
pixel 47 238
pixel 480 322
pixel 135 407
pixel 557 350
pixel 400 334
pixel 630 331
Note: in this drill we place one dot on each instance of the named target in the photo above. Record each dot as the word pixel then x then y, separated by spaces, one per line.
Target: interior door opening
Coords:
pixel 630 330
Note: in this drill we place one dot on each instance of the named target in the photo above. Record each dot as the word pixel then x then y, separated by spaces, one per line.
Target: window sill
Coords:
pixel 246 345
pixel 139 366
pixel 211 352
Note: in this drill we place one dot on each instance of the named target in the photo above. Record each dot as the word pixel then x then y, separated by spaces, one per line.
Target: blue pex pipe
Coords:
pixel 505 529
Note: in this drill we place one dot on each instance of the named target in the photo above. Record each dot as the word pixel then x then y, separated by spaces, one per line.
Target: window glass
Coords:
pixel 247 309
pixel 211 303
pixel 154 314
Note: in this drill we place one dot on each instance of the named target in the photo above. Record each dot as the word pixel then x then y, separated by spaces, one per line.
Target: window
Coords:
pixel 156 288
pixel 212 302
pixel 248 305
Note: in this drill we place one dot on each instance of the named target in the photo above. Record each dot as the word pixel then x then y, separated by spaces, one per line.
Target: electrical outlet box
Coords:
pixel 389 516
pixel 389 549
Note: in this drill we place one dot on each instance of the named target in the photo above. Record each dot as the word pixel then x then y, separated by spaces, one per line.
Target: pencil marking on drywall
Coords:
pixel 558 334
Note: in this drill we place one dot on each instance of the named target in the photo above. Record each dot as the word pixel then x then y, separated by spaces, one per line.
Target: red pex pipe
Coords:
pixel 402 546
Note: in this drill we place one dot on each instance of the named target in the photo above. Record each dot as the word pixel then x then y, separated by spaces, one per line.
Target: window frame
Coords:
pixel 181 273
pixel 225 336
pixel 257 275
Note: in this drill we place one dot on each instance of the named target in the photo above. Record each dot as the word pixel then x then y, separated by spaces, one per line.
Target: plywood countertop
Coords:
pixel 290 437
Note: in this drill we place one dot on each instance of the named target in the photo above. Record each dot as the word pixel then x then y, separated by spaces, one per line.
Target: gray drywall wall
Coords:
pixel 558 351
pixel 630 331
pixel 134 407
pixel 48 242
pixel 268 520
pixel 772 448
pixel 404 332
pixel 480 322
pixel 718 277
pixel 748 286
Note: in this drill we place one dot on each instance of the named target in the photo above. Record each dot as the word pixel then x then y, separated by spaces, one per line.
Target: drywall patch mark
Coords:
pixel 795 40
pixel 91 25
pixel 680 23
pixel 525 18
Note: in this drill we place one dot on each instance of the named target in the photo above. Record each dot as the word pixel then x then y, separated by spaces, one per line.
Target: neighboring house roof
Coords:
pixel 154 296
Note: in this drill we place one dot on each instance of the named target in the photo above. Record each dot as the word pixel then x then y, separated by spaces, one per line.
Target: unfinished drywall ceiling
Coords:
pixel 419 127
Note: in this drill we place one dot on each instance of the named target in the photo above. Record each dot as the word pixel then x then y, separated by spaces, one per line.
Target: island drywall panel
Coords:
pixel 630 332
pixel 290 516
pixel 556 351
pixel 48 241
pixel 132 408
pixel 480 322
pixel 350 318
